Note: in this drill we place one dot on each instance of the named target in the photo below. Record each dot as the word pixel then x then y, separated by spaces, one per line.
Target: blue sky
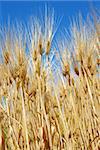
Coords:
pixel 22 10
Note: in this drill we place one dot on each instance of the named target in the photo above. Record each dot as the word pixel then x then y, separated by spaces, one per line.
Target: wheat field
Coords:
pixel 49 87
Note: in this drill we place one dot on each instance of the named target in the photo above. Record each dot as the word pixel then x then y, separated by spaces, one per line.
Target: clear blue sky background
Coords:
pixel 22 10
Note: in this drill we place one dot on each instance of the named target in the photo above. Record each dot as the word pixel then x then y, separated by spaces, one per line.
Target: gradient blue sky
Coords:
pixel 22 10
